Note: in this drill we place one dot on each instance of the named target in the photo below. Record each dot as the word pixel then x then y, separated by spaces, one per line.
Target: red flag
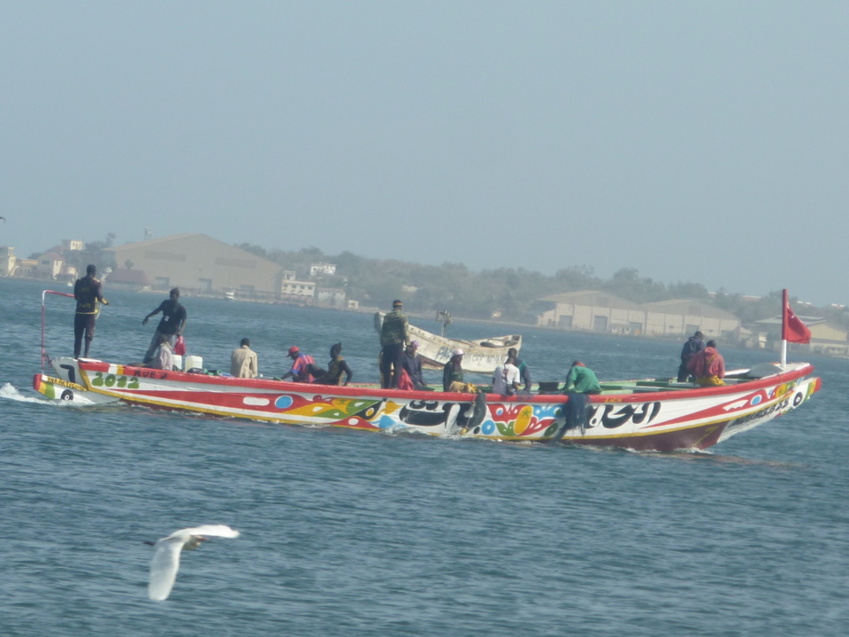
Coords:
pixel 792 329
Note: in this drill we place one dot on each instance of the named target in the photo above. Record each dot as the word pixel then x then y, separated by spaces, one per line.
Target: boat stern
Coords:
pixel 55 388
pixel 66 389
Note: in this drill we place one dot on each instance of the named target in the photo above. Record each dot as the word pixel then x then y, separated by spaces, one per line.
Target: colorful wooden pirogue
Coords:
pixel 648 414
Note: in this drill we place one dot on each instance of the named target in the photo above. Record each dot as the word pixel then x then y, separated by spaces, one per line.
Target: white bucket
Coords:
pixel 193 362
pixel 178 362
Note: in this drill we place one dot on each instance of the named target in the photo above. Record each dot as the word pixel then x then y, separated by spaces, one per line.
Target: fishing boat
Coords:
pixel 643 415
pixel 479 356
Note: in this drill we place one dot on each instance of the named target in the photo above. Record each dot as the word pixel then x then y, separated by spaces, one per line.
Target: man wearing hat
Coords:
pixel 394 336
pixel 708 366
pixel 452 373
pixel 301 368
pixel 413 365
pixel 693 346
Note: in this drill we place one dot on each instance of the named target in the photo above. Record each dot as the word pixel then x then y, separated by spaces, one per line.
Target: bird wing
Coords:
pixel 211 530
pixel 166 556
pixel 163 567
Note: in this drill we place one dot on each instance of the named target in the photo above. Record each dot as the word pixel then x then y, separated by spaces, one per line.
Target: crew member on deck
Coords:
pixel 337 367
pixel 412 364
pixel 505 379
pixel 171 324
pixel 243 361
pixel 452 374
pixel 301 368
pixel 693 346
pixel 163 357
pixel 394 336
pixel 524 371
pixel 581 379
pixel 88 292
pixel 708 366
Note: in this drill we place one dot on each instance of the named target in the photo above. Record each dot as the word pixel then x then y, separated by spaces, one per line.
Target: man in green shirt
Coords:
pixel 581 379
pixel 394 337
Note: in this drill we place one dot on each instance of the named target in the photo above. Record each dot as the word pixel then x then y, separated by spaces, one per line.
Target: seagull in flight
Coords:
pixel 166 555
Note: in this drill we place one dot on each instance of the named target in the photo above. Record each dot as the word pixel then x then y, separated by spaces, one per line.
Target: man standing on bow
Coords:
pixel 88 292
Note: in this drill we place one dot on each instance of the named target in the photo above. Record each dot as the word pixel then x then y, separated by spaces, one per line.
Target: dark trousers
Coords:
pixel 83 325
pixel 683 372
pixel 390 364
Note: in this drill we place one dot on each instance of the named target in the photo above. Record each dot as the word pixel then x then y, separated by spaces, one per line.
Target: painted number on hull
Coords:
pixel 112 380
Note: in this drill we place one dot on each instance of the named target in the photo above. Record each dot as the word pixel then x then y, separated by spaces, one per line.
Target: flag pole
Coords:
pixel 784 301
pixel 793 330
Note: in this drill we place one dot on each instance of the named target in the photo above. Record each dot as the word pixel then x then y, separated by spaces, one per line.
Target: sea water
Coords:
pixel 355 533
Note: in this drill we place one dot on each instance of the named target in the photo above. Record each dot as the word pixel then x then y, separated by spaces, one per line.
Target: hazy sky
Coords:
pixel 693 141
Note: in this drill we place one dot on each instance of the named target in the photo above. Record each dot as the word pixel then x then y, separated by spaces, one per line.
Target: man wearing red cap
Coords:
pixel 300 372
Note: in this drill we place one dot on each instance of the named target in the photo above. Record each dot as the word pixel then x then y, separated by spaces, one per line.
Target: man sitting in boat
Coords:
pixel 163 357
pixel 582 380
pixel 524 371
pixel 337 367
pixel 243 361
pixel 301 368
pixel 412 365
pixel 708 366
pixel 505 379
pixel 452 374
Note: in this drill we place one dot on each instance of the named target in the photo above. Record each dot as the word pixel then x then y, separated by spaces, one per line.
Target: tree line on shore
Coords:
pixel 506 293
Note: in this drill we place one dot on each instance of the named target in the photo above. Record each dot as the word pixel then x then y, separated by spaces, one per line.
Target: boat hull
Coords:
pixel 634 416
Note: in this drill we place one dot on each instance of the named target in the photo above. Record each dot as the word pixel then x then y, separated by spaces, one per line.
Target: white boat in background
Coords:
pixel 480 356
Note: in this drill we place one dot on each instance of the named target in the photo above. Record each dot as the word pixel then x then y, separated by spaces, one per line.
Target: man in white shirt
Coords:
pixel 505 379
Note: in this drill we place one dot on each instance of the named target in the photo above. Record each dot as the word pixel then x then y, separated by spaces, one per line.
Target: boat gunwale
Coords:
pixel 267 385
